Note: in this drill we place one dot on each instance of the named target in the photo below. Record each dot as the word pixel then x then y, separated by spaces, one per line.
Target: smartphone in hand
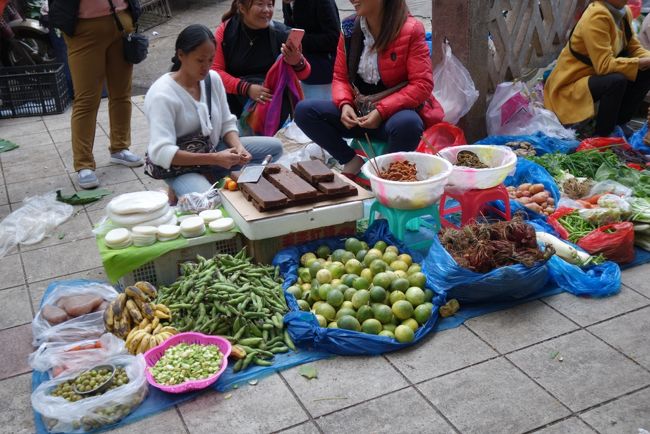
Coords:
pixel 295 37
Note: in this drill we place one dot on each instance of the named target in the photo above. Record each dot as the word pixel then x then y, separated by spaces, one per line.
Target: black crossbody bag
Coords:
pixel 136 45
pixel 195 142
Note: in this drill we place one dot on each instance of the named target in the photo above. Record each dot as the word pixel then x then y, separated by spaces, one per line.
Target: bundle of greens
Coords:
pixel 583 164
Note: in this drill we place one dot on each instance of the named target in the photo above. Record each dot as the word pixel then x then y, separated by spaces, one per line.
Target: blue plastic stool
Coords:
pixel 399 220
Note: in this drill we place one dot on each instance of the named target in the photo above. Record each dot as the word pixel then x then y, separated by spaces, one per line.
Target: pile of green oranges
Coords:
pixel 372 290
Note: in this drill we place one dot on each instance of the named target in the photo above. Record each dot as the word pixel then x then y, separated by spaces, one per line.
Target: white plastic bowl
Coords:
pixel 501 159
pixel 432 176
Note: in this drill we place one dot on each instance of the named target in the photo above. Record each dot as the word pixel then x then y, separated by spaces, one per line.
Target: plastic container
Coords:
pixel 433 172
pixel 154 354
pixel 501 159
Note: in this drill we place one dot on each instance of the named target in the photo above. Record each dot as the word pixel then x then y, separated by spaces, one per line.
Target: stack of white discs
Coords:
pixel 210 215
pixel 118 238
pixel 144 235
pixel 168 232
pixel 222 224
pixel 141 208
pixel 192 227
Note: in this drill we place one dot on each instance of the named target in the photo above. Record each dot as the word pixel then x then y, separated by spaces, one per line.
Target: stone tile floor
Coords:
pixel 560 364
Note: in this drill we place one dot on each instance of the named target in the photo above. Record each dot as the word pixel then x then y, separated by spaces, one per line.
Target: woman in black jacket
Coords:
pixel 320 20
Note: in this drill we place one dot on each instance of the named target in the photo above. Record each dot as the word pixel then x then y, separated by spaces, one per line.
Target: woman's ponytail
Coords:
pixel 234 10
pixel 176 63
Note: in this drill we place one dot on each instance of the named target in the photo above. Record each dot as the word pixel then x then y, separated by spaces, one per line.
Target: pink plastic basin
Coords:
pixel 153 355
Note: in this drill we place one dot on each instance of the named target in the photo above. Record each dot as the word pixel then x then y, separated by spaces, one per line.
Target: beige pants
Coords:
pixel 95 55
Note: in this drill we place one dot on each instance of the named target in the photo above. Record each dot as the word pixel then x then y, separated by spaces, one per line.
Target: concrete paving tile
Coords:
pixel 625 415
pixel 589 373
pixel 637 279
pixel 409 412
pixel 268 406
pixel 304 428
pixel 40 139
pixel 16 415
pixel 527 324
pixel 5 210
pixel 11 271
pixel 168 422
pixel 37 289
pixel 492 397
pixel 586 311
pixel 352 379
pixel 441 353
pixel 100 152
pixel 21 190
pixel 61 260
pixel 117 189
pixel 14 129
pixel 96 216
pixel 152 184
pixel 65 135
pixel 21 156
pixel 58 122
pixel 3 195
pixel 16 121
pixel 15 307
pixel 630 334
pixel 75 228
pixel 33 169
pixel 16 344
pixel 569 426
pixel 140 135
pixel 115 174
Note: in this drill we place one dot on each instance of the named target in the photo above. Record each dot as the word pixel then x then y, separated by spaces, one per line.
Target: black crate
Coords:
pixel 33 90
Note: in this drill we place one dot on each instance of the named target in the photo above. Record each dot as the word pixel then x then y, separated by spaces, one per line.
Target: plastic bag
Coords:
pixel 453 86
pixel 511 113
pixel 542 143
pixel 440 136
pixel 303 326
pixel 637 139
pixel 83 327
pixel 502 284
pixel 194 203
pixel 617 246
pixel 595 281
pixel 602 142
pixel 33 221
pixel 610 186
pixel 63 356
pixel 61 415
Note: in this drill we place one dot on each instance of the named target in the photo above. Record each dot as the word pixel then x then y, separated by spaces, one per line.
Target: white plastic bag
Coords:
pixel 453 86
pixel 88 326
pixel 33 221
pixel 61 415
pixel 610 186
pixel 194 203
pixel 62 357
pixel 511 112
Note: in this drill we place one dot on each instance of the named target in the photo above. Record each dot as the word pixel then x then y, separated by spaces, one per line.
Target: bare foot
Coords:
pixel 353 166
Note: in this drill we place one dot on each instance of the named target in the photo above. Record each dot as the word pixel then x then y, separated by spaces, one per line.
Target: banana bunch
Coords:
pixel 148 334
pixel 132 307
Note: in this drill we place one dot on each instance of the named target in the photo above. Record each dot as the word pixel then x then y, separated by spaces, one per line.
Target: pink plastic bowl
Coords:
pixel 153 355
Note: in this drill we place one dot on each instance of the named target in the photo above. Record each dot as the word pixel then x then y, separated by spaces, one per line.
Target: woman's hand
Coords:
pixel 227 158
pixel 349 117
pixel 292 54
pixel 371 121
pixel 244 156
pixel 259 93
pixel 644 63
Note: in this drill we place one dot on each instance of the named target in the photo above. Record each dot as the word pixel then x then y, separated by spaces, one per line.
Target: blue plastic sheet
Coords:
pixel 303 326
pixel 542 143
pixel 637 140
pixel 501 284
pixel 528 171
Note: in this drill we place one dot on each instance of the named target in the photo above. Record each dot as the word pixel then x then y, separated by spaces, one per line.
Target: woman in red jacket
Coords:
pixel 383 53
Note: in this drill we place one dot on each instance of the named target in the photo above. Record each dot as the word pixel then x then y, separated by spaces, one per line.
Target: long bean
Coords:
pixel 576 226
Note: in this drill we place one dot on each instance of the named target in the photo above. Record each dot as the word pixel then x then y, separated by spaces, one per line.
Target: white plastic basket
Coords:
pixel 501 159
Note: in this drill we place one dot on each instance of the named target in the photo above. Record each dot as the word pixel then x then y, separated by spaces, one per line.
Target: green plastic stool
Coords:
pixel 399 220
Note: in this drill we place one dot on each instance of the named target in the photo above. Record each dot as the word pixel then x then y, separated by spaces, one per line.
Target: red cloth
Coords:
pixel 405 59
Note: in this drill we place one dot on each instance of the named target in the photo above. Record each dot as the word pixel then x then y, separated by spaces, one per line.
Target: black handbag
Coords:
pixel 136 45
pixel 195 142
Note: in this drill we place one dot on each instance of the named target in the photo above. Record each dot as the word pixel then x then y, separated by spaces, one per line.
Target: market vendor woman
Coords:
pixel 604 63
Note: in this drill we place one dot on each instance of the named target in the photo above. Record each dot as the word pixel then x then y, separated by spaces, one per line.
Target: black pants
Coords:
pixel 619 98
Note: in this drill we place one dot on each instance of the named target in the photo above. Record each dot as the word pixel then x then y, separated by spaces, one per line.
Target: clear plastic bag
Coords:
pixel 33 221
pixel 453 86
pixel 61 415
pixel 62 357
pixel 194 203
pixel 88 326
pixel 610 186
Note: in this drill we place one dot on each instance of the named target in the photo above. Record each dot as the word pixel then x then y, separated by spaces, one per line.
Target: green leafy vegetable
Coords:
pixel 308 371
pixel 6 145
pixel 82 197
pixel 583 164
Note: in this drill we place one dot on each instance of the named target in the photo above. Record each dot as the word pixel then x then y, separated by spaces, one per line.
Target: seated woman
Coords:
pixel 248 44
pixel 320 20
pixel 602 62
pixel 177 108
pixel 385 54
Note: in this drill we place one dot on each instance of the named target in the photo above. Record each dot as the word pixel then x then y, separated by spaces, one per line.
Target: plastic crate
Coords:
pixel 165 269
pixel 33 90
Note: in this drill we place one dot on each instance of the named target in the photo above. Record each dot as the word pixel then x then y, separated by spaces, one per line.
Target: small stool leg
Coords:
pixel 373 211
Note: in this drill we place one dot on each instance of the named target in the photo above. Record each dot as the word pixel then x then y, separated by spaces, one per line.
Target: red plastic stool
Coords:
pixel 472 203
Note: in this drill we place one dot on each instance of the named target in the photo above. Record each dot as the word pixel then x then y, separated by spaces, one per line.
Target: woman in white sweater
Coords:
pixel 176 107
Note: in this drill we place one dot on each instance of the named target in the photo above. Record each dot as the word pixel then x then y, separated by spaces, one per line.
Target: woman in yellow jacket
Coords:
pixel 603 62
